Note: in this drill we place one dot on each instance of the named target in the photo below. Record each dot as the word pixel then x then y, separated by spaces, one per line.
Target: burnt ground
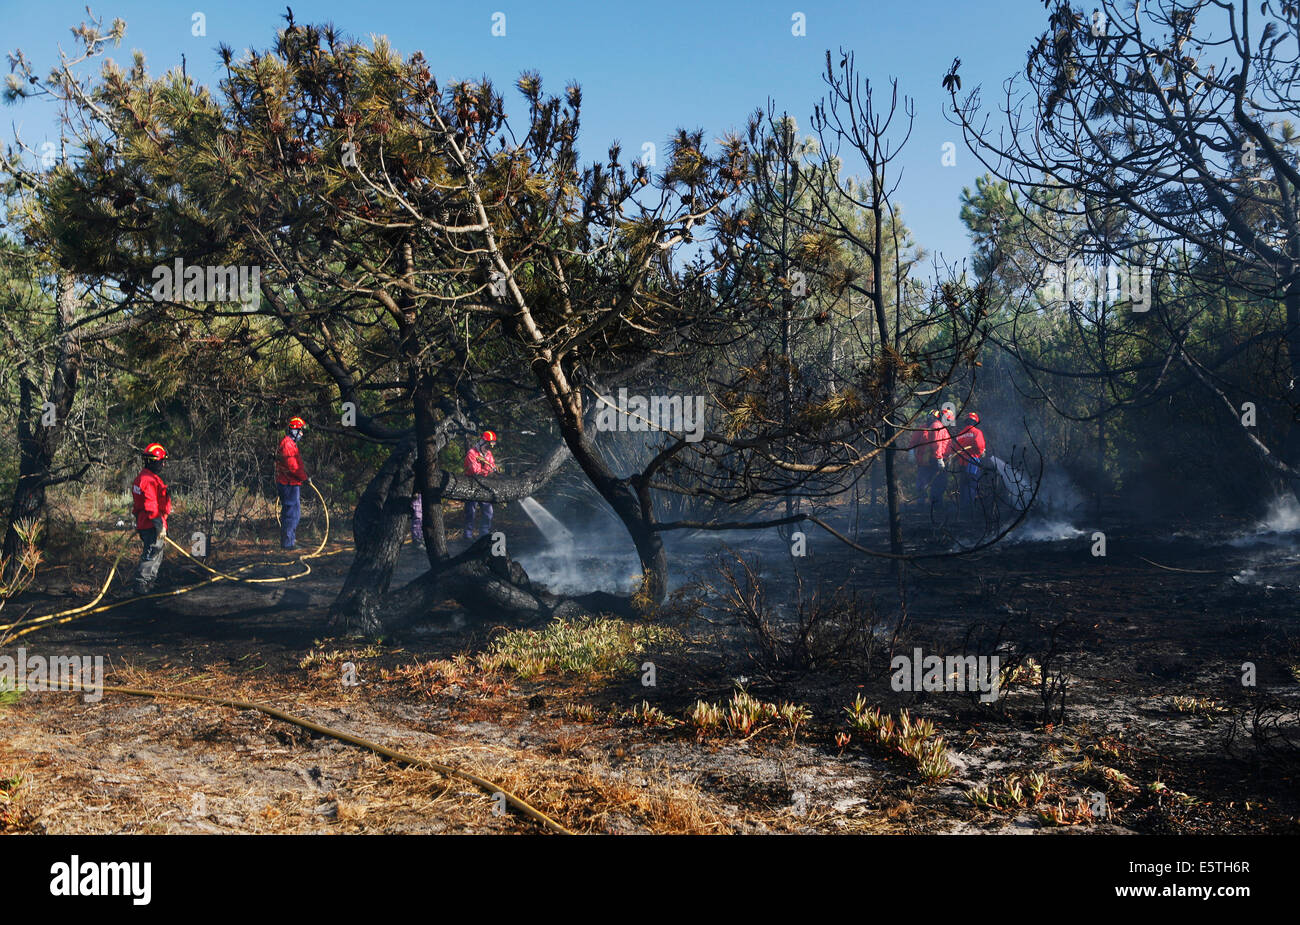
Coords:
pixel 1156 717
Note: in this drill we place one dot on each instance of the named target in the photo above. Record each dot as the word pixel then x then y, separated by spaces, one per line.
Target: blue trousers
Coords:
pixel 931 482
pixel 290 512
pixel 968 477
pixel 485 511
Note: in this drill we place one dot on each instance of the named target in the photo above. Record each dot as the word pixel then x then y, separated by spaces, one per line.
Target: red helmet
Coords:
pixel 297 424
pixel 490 436
pixel 973 417
pixel 155 451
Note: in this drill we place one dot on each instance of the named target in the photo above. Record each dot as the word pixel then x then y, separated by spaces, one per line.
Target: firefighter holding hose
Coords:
pixel 479 461
pixel 968 451
pixel 930 446
pixel 290 476
pixel 150 503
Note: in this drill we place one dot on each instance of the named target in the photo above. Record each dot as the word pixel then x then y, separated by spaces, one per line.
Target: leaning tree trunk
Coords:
pixel 39 439
pixel 378 528
pixel 631 502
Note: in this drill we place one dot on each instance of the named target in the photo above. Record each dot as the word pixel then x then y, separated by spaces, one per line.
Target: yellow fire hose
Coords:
pixel 445 770
pixel 85 610
pixel 258 581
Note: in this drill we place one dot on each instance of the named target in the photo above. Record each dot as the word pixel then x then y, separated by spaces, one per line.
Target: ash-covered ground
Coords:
pixel 1151 729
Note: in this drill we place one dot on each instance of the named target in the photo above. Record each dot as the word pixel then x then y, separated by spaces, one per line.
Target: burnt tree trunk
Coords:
pixel 488 584
pixel 630 499
pixel 1291 302
pixel 481 582
pixel 888 386
pixel 38 437
pixel 379 526
pixel 430 440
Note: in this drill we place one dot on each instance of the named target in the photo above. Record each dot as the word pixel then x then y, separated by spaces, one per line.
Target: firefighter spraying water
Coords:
pixel 480 462
pixel 942 450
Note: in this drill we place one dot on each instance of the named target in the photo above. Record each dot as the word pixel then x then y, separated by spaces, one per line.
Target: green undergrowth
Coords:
pixel 587 646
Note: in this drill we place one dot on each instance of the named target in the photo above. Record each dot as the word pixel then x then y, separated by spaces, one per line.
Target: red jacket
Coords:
pixel 288 464
pixel 480 462
pixel 931 444
pixel 149 500
pixel 969 443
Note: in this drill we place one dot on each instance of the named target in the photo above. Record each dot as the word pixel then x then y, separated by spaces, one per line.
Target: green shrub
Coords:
pixel 592 646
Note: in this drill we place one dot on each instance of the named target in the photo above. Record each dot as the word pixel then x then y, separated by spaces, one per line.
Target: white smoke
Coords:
pixel 598 558
pixel 1057 494
pixel 1044 531
pixel 1283 516
pixel 1278 527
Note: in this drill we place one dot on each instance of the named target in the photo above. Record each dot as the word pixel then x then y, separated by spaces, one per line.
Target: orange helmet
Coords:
pixel 297 424
pixel 155 451
pixel 973 418
pixel 490 436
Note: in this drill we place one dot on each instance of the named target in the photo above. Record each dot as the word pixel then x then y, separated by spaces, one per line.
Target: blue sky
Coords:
pixel 644 69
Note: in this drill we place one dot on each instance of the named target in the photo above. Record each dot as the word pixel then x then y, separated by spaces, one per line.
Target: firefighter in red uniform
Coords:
pixel 479 461
pixel 289 479
pixel 930 446
pixel 150 503
pixel 968 450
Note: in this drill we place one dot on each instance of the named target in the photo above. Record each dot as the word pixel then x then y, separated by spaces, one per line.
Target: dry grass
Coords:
pixel 658 804
pixel 16 815
pixel 128 765
pixel 568 743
